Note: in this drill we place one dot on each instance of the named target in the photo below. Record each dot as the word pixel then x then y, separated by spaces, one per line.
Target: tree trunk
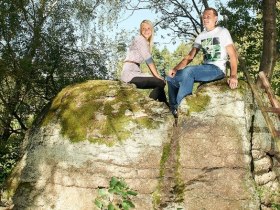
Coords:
pixel 269 38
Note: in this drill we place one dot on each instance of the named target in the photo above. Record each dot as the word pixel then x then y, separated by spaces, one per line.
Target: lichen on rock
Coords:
pixel 97 111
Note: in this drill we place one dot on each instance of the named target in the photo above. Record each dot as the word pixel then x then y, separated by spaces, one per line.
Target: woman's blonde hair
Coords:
pixel 151 39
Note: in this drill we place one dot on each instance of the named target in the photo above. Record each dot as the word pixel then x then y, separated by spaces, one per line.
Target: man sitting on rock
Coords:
pixel 216 44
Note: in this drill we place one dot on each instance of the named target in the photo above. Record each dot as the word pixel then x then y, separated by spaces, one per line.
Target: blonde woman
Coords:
pixel 139 52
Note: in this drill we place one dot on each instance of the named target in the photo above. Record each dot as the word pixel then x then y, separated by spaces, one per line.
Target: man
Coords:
pixel 216 44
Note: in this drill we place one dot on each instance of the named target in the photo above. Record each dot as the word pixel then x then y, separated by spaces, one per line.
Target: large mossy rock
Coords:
pixel 91 132
pixel 100 129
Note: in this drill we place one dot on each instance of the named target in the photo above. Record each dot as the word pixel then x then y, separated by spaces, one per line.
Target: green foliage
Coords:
pixel 242 18
pixel 9 154
pixel 165 60
pixel 116 197
pixel 45 46
pixel 40 53
pixel 245 22
pixel 181 17
pixel 275 206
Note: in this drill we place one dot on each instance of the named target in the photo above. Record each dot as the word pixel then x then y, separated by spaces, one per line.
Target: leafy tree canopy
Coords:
pixel 41 51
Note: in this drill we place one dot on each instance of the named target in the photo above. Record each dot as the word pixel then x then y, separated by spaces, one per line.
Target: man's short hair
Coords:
pixel 211 9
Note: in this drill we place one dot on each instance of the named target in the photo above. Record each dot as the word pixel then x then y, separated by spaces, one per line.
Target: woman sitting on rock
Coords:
pixel 139 52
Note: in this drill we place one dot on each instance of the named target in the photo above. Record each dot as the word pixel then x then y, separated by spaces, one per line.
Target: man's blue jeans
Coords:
pixel 181 84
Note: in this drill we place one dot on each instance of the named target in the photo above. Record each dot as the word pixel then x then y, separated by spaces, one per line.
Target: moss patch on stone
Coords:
pixel 197 102
pixel 157 193
pixel 164 158
pixel 243 86
pixel 222 85
pixel 97 111
pixel 179 188
pixel 170 190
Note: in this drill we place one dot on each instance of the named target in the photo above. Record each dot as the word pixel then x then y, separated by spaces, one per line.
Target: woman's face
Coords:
pixel 209 20
pixel 146 30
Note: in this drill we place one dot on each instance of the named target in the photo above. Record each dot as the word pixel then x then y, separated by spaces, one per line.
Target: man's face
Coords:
pixel 209 20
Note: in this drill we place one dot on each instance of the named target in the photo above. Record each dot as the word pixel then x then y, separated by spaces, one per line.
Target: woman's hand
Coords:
pixel 159 77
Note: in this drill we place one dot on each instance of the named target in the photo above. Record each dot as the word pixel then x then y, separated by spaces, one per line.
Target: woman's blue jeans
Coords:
pixel 181 84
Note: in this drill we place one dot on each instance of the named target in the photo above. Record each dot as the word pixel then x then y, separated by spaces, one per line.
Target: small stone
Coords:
pixel 263 165
pixel 258 154
pixel 265 178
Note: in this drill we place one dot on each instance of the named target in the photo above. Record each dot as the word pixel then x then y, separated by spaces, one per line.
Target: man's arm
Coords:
pixel 232 81
pixel 186 60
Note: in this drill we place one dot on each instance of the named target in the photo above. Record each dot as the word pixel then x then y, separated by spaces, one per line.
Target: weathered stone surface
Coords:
pixel 99 129
pixel 266 159
pixel 263 165
pixel 265 178
pixel 215 154
pixel 258 154
pixel 57 173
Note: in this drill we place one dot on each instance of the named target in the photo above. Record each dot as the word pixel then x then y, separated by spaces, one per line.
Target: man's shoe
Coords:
pixel 175 113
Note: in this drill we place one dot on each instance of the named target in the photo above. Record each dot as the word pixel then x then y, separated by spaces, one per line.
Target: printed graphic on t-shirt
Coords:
pixel 211 49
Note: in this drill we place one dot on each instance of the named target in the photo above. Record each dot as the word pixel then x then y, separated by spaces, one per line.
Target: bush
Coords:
pixel 9 155
pixel 117 197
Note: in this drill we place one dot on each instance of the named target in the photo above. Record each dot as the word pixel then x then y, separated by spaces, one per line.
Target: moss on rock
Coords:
pixel 200 100
pixel 197 102
pixel 100 111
